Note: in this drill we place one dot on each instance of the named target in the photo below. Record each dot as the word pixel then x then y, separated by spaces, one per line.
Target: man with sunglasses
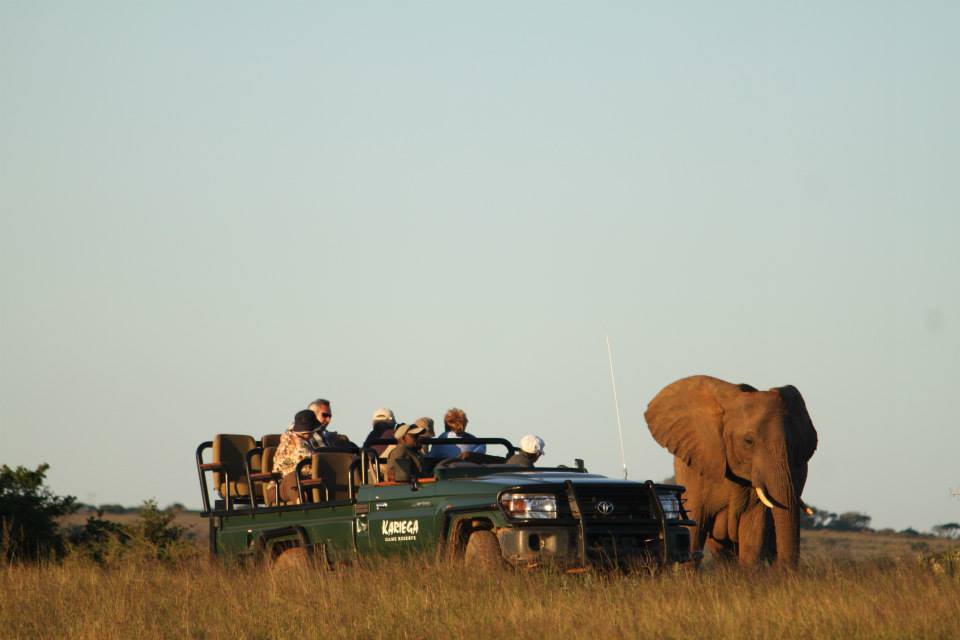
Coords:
pixel 321 408
pixel 322 437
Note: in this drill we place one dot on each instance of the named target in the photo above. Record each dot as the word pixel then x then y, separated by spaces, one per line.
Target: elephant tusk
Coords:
pixel 764 499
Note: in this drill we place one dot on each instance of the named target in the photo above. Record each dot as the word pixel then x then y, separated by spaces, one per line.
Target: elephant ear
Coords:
pixel 802 432
pixel 686 419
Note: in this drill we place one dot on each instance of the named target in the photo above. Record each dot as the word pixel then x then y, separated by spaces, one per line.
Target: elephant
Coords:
pixel 742 456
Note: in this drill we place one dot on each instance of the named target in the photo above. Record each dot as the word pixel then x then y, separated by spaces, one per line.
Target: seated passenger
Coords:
pixel 428 432
pixel 294 446
pixel 531 448
pixel 455 428
pixel 383 425
pixel 321 407
pixel 405 461
pixel 322 436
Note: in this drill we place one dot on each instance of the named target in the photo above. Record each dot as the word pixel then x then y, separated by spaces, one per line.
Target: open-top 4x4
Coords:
pixel 486 510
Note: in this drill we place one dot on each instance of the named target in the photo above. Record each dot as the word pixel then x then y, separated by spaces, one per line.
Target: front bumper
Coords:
pixel 643 536
pixel 533 546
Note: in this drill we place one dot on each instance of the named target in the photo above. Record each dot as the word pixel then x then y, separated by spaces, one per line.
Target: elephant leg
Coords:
pixel 754 527
pixel 698 532
pixel 721 545
pixel 694 505
pixel 722 550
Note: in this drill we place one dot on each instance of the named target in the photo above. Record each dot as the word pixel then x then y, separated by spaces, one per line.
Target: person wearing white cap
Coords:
pixel 405 461
pixel 383 425
pixel 531 448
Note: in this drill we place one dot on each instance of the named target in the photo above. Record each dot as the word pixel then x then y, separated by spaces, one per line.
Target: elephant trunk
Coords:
pixel 786 526
pixel 784 504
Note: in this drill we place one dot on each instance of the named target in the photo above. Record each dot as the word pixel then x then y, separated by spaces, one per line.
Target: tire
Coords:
pixel 483 551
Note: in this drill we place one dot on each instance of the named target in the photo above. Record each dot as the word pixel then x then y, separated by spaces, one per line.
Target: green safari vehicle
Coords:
pixel 481 509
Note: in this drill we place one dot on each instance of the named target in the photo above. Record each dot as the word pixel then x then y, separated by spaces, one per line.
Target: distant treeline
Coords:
pixel 857 521
pixel 119 509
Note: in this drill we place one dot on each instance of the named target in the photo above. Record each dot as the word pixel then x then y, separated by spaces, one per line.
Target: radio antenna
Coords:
pixel 616 406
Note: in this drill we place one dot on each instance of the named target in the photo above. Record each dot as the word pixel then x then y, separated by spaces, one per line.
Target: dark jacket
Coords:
pixel 381 431
pixel 405 463
pixel 521 458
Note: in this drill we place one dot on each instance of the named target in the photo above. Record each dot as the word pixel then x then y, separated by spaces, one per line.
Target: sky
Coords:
pixel 211 214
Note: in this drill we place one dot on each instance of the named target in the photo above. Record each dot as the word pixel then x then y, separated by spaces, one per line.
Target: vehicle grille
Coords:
pixel 629 504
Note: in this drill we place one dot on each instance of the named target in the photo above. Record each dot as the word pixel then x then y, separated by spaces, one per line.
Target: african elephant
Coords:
pixel 742 455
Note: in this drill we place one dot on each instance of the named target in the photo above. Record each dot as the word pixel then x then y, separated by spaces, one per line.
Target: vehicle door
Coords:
pixel 399 518
pixel 332 526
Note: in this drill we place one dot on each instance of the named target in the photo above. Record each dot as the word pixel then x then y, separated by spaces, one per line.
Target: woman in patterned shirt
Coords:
pixel 293 448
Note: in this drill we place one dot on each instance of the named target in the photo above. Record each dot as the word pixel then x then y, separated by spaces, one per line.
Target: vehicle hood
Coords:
pixel 534 477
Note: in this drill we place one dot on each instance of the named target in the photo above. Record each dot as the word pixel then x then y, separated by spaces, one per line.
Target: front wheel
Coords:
pixel 483 551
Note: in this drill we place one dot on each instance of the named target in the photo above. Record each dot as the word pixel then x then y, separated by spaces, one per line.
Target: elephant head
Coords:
pixel 759 440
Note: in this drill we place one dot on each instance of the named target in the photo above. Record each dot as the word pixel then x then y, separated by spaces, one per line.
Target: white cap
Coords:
pixel 531 444
pixel 383 415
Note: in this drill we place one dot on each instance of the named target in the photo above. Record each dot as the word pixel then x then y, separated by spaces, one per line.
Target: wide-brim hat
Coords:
pixel 305 421
pixel 425 422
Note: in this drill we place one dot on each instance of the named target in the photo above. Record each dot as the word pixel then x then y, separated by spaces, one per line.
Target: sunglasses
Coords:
pixel 326 415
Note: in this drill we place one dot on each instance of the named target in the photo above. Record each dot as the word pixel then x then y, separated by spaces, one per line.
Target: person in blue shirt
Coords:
pixel 455 428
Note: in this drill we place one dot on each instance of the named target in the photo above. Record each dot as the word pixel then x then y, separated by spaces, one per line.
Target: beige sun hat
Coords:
pixel 426 423
pixel 404 429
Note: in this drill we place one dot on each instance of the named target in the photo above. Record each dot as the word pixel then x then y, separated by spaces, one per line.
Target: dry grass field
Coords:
pixel 857 598
pixel 840 546
pixel 861 585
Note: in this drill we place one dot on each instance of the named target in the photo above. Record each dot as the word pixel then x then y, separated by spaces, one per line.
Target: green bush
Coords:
pixel 28 515
pixel 156 534
pixel 152 536
pixel 99 540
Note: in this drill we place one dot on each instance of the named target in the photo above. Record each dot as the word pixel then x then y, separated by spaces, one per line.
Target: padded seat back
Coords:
pixel 270 440
pixel 267 488
pixel 334 470
pixel 230 450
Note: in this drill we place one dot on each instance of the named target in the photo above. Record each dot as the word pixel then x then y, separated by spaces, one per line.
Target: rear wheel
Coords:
pixel 295 558
pixel 483 551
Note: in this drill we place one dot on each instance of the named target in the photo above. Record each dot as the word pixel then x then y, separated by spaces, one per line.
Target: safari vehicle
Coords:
pixel 480 509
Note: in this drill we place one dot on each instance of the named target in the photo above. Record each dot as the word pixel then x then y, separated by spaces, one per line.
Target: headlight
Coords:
pixel 523 505
pixel 670 503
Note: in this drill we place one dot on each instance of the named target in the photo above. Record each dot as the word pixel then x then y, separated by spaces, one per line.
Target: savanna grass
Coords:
pixel 424 598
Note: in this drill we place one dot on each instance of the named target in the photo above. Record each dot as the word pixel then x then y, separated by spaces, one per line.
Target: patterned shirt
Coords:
pixel 290 451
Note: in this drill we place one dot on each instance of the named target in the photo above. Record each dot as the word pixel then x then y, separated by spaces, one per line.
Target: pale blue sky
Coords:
pixel 211 214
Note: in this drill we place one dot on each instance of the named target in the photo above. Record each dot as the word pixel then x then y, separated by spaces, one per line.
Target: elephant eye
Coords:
pixel 748 440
